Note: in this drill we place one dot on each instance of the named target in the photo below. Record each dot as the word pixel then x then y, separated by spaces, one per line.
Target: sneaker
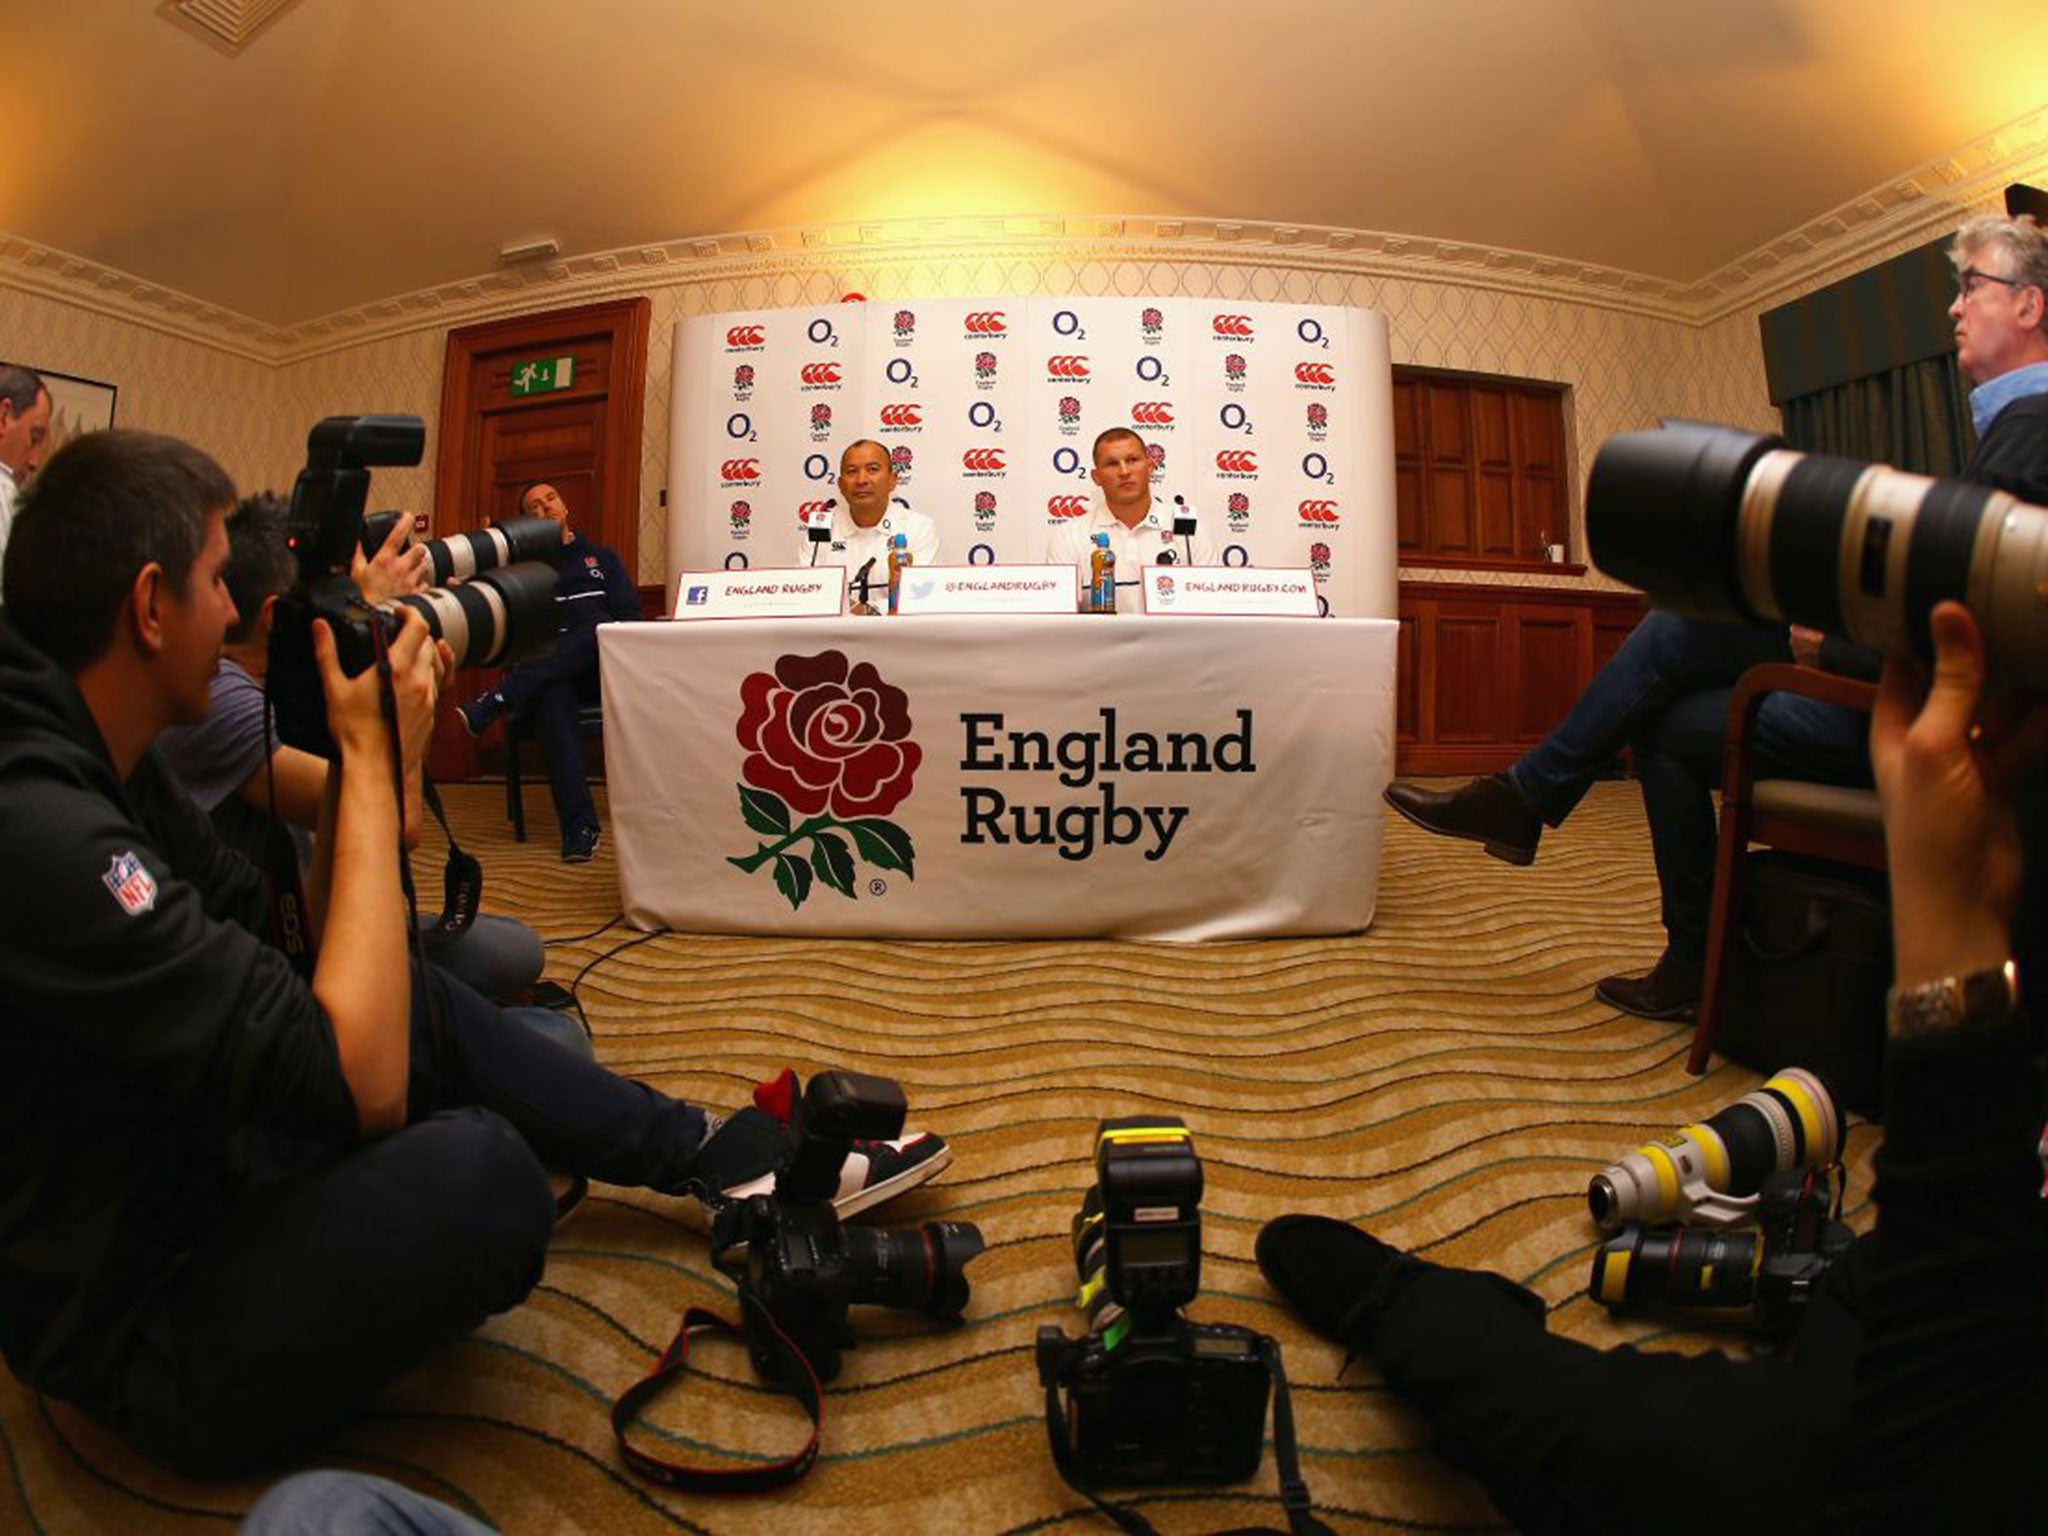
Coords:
pixel 579 845
pixel 874 1171
pixel 481 712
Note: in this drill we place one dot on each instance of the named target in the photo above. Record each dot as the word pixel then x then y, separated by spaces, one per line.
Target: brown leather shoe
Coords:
pixel 1670 991
pixel 1486 810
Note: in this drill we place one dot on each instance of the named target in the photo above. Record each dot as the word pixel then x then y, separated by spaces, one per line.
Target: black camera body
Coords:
pixel 802 1268
pixel 1774 1266
pixel 505 605
pixel 1149 1396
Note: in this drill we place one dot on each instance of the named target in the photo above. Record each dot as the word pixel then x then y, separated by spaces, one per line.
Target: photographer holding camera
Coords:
pixel 237 773
pixel 1912 1395
pixel 1665 692
pixel 235 1202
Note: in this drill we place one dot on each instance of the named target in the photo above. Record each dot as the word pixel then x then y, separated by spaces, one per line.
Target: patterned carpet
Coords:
pixel 1446 1079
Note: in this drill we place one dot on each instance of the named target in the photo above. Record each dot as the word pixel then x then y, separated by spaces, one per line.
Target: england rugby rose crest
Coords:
pixel 828 757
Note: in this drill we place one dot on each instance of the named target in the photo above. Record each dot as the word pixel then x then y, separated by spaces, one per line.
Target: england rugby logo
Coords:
pixel 828 757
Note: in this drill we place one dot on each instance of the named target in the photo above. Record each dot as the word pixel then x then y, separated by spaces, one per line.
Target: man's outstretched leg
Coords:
pixel 1665 658
pixel 1565 1437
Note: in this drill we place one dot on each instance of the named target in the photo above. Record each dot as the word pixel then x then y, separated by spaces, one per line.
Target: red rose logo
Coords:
pixel 829 742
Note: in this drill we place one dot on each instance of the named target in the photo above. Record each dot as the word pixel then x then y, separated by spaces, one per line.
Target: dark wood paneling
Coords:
pixel 1484 673
pixel 1479 471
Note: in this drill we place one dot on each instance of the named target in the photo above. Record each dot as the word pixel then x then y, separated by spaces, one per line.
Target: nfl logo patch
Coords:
pixel 133 886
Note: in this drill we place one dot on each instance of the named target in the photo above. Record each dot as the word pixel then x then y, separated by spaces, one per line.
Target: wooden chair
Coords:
pixel 589 727
pixel 1820 820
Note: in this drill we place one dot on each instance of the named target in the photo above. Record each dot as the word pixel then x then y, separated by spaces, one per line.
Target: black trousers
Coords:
pixel 337 1270
pixel 1571 1439
pixel 550 691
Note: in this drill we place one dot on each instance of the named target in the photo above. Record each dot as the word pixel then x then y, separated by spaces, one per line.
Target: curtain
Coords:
pixel 1916 416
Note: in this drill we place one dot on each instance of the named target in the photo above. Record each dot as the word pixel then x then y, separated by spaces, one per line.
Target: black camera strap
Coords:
pixel 1294 1495
pixel 462 881
pixel 793 1371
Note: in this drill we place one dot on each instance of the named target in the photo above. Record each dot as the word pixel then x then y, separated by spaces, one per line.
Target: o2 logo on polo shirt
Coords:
pixel 829 756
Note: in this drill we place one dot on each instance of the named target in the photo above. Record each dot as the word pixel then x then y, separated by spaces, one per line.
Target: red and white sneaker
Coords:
pixel 738 1161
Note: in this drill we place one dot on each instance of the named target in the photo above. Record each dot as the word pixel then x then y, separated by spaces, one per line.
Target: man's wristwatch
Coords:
pixel 1979 1000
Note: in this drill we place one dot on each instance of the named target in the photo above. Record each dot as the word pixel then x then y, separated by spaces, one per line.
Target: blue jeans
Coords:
pixel 550 691
pixel 331 1503
pixel 499 956
pixel 1665 693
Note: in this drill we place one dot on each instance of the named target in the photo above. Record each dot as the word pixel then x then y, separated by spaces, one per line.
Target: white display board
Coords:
pixel 1274 421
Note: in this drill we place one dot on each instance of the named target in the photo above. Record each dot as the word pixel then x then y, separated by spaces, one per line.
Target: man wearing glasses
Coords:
pixel 1665 692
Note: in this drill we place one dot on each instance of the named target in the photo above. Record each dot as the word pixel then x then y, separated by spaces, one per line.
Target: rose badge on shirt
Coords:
pixel 829 742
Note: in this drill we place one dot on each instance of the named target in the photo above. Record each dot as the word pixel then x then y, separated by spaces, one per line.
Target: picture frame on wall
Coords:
pixel 77 405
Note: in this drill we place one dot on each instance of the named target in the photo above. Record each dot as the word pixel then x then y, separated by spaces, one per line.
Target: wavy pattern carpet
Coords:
pixel 1446 1079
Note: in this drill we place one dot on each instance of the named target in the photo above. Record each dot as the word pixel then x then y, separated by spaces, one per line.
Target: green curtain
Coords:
pixel 1915 416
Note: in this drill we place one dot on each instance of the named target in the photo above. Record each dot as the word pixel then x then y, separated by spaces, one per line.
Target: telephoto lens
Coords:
pixel 1731 526
pixel 1711 1173
pixel 463 555
pixel 494 617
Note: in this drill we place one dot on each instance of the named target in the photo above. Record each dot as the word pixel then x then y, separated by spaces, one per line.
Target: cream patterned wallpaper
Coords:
pixel 1625 365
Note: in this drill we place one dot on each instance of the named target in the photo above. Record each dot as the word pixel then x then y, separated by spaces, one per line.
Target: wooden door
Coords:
pixel 583 439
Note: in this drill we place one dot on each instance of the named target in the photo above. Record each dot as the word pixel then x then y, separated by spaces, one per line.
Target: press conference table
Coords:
pixel 960 776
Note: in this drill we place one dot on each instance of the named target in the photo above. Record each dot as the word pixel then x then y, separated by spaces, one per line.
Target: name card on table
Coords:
pixel 989 589
pixel 796 593
pixel 1211 590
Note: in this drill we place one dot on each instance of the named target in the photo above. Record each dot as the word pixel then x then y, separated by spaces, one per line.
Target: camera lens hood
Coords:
pixel 1661 511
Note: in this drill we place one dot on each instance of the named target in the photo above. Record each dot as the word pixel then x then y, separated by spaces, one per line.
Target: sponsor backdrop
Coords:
pixel 1274 421
pixel 1152 778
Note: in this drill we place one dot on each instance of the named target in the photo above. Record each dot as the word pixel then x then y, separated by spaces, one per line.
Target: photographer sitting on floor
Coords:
pixel 236 1203
pixel 1913 1394
pixel 237 772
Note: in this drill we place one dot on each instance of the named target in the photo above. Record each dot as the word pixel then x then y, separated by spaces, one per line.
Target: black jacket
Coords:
pixel 145 1029
pixel 2013 455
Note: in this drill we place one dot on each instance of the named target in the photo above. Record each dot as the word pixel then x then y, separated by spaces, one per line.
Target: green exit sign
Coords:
pixel 543 375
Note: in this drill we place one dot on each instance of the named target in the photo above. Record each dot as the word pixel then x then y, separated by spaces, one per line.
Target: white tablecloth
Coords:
pixel 987 777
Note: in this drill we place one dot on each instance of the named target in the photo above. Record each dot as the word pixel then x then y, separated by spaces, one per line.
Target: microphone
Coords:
pixel 1165 557
pixel 818 526
pixel 859 584
pixel 1184 526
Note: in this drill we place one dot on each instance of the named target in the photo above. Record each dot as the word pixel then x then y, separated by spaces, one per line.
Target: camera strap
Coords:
pixel 793 1372
pixel 462 881
pixel 1294 1495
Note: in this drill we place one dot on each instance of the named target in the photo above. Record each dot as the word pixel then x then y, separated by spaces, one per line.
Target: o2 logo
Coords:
pixel 1235 418
pixel 1153 371
pixel 982 554
pixel 1311 333
pixel 817 467
pixel 1067 461
pixel 1322 606
pixel 900 371
pixel 982 414
pixel 1237 554
pixel 740 425
pixel 1317 467
pixel 1067 323
pixel 736 561
pixel 822 333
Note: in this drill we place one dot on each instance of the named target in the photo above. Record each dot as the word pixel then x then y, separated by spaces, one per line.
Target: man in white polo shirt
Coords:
pixel 866 521
pixel 1140 531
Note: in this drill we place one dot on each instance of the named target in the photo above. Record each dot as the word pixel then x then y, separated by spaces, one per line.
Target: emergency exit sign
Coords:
pixel 542 375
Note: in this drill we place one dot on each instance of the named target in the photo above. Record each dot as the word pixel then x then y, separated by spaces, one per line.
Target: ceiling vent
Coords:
pixel 228 25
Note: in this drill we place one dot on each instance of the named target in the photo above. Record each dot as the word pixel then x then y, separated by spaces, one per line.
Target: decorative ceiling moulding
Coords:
pixel 1920 204
pixel 228 26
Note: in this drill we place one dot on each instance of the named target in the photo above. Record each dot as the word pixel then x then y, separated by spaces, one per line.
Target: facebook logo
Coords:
pixel 697 597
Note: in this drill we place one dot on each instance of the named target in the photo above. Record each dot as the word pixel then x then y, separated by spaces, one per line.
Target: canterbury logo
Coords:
pixel 1067 506
pixel 901 416
pixel 821 373
pixel 1237 461
pixel 986 322
pixel 982 458
pixel 1232 325
pixel 1067 367
pixel 806 510
pixel 746 336
pixel 1315 373
pixel 1319 511
pixel 741 469
pixel 1152 413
